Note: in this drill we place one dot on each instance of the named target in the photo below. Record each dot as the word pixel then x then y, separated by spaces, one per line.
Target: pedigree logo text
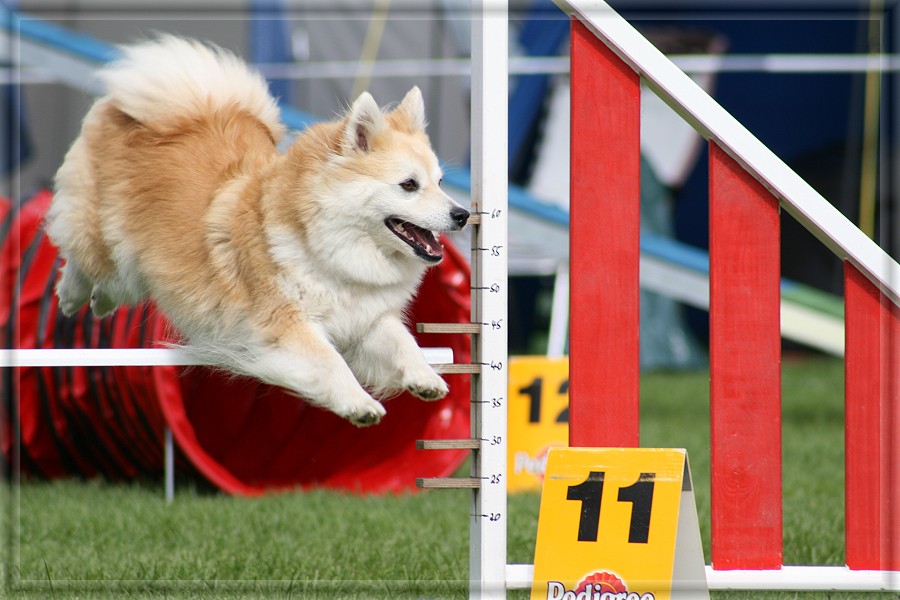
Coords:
pixel 601 585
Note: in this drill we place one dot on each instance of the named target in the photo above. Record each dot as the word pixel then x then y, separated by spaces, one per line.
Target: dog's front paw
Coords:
pixel 69 306
pixel 73 289
pixel 430 386
pixel 101 304
pixel 365 413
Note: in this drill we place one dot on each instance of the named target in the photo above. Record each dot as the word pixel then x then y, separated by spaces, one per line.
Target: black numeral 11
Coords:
pixel 590 492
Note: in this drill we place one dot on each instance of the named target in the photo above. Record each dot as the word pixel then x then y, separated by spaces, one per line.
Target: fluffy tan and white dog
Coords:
pixel 293 268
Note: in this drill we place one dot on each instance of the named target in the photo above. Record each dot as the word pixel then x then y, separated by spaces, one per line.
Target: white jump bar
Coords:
pixel 132 357
pixel 805 579
pixel 789 578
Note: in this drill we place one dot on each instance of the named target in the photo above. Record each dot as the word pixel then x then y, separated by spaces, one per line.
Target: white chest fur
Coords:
pixel 345 308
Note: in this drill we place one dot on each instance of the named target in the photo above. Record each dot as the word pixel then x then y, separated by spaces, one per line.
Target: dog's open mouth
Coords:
pixel 421 240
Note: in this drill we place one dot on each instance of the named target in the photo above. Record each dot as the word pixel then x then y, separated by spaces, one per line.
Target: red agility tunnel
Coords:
pixel 243 436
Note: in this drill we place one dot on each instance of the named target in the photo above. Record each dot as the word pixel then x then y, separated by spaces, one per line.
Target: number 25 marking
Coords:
pixel 590 492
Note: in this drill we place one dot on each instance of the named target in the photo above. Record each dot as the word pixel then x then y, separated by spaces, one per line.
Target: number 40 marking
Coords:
pixel 590 493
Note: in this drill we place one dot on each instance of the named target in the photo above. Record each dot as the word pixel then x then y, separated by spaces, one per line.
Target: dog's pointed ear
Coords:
pixel 364 122
pixel 412 110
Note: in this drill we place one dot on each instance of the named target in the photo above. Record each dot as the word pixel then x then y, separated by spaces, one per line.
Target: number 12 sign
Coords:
pixel 618 524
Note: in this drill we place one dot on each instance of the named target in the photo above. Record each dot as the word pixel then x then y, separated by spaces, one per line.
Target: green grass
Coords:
pixel 69 539
pixel 97 537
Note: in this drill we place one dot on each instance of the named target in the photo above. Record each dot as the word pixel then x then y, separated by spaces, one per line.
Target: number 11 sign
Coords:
pixel 618 524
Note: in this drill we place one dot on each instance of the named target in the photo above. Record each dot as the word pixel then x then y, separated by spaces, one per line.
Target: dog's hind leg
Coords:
pixel 304 361
pixel 73 289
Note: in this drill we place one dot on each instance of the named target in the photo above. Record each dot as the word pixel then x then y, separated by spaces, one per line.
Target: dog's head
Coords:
pixel 389 173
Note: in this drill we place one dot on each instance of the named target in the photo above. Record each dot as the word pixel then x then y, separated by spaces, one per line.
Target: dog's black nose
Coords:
pixel 460 215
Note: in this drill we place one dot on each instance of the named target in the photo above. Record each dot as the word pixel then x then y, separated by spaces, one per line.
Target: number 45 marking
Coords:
pixel 590 493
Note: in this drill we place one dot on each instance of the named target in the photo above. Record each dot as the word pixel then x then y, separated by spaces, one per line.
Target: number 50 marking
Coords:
pixel 590 493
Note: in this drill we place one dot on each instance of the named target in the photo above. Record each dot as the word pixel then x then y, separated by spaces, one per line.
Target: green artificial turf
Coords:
pixel 74 539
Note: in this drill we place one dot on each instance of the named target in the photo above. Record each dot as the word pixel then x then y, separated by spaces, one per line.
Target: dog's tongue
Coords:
pixel 420 239
pixel 423 238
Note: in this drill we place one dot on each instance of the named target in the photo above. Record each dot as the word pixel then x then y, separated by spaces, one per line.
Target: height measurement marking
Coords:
pixel 494 214
pixel 496 365
pixel 494 402
pixel 494 250
pixel 492 517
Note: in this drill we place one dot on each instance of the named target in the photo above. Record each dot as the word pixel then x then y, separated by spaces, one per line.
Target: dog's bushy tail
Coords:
pixel 160 82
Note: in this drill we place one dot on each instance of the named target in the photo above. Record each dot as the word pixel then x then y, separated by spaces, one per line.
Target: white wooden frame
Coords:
pixel 487 540
pixel 714 123
pixel 800 200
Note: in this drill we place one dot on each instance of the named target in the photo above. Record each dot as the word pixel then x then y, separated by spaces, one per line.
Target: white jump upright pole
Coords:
pixel 170 465
pixel 487 562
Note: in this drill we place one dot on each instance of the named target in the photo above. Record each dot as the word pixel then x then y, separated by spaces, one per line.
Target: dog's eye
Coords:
pixel 441 182
pixel 410 185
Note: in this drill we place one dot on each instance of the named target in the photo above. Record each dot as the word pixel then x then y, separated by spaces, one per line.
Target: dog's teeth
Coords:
pixel 400 228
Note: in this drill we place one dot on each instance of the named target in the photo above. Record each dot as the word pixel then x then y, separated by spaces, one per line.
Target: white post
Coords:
pixel 487 555
pixel 559 313
pixel 170 466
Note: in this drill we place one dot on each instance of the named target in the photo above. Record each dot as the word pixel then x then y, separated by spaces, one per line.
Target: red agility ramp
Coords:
pixel 243 436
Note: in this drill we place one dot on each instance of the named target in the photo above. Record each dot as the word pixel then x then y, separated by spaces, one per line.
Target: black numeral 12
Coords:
pixel 534 392
pixel 590 492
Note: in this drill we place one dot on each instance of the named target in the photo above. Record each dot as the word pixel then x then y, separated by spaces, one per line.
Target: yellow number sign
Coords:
pixel 618 524
pixel 538 417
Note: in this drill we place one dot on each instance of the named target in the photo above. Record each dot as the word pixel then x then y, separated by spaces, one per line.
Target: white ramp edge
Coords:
pixel 714 123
